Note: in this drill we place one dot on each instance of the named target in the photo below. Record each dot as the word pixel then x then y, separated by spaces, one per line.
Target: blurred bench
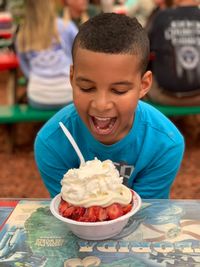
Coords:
pixel 23 113
pixel 175 110
pixel 9 62
pixel 8 59
pixel 12 114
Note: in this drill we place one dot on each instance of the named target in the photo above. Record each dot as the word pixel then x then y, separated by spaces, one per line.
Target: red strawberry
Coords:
pixel 63 206
pixel 69 211
pixel 99 213
pixel 77 213
pixel 114 211
pixel 102 215
pixel 126 208
pixel 92 213
pixel 83 219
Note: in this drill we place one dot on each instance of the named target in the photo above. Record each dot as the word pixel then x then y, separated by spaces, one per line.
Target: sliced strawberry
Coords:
pixel 92 213
pixel 114 211
pixel 89 219
pixel 63 206
pixel 126 208
pixel 68 212
pixel 83 219
pixel 78 212
pixel 80 219
pixel 102 215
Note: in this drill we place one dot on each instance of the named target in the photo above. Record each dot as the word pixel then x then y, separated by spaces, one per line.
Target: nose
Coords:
pixel 102 102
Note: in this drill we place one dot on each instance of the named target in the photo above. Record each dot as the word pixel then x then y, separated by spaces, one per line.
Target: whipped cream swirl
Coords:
pixel 96 183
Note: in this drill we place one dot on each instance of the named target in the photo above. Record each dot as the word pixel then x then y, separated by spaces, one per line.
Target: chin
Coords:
pixel 106 140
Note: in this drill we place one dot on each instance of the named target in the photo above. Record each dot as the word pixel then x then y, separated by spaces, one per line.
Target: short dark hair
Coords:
pixel 113 34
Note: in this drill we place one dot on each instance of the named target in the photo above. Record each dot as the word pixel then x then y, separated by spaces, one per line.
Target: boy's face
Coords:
pixel 78 5
pixel 106 90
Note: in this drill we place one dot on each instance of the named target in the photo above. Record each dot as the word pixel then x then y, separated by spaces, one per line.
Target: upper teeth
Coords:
pixel 102 119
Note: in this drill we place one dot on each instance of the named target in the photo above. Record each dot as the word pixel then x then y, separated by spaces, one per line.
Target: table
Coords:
pixel 162 233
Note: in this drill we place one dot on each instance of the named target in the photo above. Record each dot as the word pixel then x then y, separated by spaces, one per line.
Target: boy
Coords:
pixel 107 120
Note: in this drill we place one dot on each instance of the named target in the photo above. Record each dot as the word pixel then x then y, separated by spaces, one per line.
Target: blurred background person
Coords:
pixel 79 11
pixel 44 49
pixel 6 21
pixel 158 6
pixel 141 10
pixel 135 8
pixel 107 5
pixel 16 7
pixel 3 5
pixel 175 40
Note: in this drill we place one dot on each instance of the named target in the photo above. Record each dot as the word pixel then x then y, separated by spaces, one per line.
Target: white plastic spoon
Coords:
pixel 73 143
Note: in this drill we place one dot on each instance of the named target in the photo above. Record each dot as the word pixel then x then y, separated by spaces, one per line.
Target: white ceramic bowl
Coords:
pixel 96 230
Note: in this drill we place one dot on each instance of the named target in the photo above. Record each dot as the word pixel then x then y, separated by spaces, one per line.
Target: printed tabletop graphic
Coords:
pixel 163 233
pixel 6 208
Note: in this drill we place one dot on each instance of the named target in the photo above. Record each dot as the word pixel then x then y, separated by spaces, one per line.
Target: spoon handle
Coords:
pixel 73 143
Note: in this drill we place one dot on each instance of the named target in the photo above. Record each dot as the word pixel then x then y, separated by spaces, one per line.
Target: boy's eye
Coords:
pixel 119 92
pixel 86 89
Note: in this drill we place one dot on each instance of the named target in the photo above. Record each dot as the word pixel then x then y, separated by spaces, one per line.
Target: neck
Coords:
pixel 75 13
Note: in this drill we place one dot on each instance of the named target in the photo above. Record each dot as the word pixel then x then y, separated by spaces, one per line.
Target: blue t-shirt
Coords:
pixel 148 157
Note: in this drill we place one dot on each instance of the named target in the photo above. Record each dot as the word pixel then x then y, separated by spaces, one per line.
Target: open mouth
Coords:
pixel 102 125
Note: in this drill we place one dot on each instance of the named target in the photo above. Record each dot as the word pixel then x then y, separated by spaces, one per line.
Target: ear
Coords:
pixel 145 83
pixel 71 74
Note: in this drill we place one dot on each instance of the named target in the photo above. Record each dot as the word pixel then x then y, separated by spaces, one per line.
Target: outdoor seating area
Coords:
pixel 99 133
pixel 20 122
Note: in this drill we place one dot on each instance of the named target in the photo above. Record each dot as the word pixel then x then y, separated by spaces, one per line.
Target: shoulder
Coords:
pixel 68 26
pixel 163 14
pixel 157 23
pixel 93 10
pixel 53 152
pixel 157 125
pixel 68 115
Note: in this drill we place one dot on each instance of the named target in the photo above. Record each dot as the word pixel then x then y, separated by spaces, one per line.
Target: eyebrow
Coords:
pixel 82 79
pixel 123 83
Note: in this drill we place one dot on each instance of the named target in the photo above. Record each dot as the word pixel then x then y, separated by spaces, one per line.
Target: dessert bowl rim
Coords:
pixel 135 208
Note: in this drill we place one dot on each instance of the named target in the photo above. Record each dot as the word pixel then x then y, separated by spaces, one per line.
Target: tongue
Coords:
pixel 103 124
